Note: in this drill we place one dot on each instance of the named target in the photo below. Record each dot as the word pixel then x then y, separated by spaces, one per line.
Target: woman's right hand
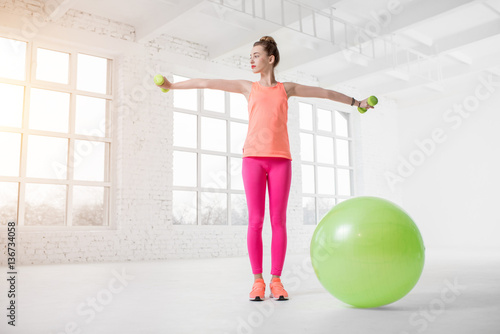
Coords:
pixel 166 84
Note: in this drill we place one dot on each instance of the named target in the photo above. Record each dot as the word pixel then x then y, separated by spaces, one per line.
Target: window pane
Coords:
pixel 325 204
pixel 52 66
pixel 213 100
pixel 341 124
pixel 239 209
pixel 238 106
pixel 88 206
pixel 342 152
pixel 213 171
pixel 308 179
pixel 47 157
pixel 306 147
pixel 326 180
pixel 92 74
pixel 324 149
pixel 344 181
pixel 12 59
pixel 213 208
pixel 185 98
pixel 45 204
pixel 306 118
pixel 324 119
pixel 184 207
pixel 213 134
pixel 185 133
pixel 308 210
pixel 90 116
pixel 8 202
pixel 11 112
pixel 89 160
pixel 49 110
pixel 10 148
pixel 184 169
pixel 238 136
pixel 236 174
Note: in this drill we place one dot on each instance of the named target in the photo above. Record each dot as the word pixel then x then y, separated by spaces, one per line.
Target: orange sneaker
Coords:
pixel 258 290
pixel 277 290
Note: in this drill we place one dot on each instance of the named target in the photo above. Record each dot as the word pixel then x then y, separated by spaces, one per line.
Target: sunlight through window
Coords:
pixel 11 113
pixel 52 66
pixel 201 136
pixel 45 204
pixel 8 202
pixel 92 74
pixel 12 59
pixel 49 110
pixel 326 165
pixel 10 150
pixel 55 139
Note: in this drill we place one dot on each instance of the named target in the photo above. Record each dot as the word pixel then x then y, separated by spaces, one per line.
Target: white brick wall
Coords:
pixel 143 160
pixel 100 25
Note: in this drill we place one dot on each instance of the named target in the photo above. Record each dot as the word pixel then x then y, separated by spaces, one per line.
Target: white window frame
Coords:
pixel 30 82
pixel 226 116
pixel 331 106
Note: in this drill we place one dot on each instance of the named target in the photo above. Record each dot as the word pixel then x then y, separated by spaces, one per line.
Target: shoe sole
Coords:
pixel 278 298
pixel 256 299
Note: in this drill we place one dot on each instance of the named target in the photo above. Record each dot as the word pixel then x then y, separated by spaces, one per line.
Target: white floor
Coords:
pixel 457 293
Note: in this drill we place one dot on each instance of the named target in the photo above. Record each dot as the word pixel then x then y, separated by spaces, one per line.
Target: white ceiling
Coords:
pixel 457 37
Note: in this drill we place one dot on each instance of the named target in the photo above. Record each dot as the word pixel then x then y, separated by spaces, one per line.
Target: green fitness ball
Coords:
pixel 367 252
pixel 372 100
pixel 159 80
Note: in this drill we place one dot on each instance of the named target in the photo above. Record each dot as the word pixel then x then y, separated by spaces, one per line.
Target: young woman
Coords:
pixel 266 154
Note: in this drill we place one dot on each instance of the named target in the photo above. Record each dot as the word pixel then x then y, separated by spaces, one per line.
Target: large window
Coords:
pixel 325 152
pixel 55 135
pixel 210 127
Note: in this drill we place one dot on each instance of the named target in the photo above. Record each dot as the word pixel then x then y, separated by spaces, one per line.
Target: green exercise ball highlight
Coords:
pixel 367 252
pixel 372 101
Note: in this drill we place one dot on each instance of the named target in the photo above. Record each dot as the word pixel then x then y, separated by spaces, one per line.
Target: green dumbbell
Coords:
pixel 160 80
pixel 372 100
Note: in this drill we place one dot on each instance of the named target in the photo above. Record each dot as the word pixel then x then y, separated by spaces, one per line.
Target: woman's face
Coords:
pixel 259 60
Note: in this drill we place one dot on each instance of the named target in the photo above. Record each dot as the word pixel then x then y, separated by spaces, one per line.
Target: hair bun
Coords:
pixel 268 39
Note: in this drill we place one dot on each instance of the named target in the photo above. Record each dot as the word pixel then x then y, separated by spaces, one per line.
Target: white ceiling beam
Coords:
pixel 230 50
pixel 55 9
pixel 460 39
pixel 486 63
pixel 447 44
pixel 418 37
pixel 460 56
pixel 490 7
pixel 420 11
pixel 159 23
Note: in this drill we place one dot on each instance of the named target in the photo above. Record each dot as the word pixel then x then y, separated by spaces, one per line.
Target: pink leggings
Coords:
pixel 278 173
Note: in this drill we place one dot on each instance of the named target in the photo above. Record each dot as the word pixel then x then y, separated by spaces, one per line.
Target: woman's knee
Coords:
pixel 256 223
pixel 278 221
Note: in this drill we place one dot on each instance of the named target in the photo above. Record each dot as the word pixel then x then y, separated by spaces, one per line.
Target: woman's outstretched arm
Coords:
pixel 233 86
pixel 295 89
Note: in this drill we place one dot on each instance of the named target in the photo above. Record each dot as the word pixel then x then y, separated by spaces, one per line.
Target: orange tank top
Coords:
pixel 267 134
